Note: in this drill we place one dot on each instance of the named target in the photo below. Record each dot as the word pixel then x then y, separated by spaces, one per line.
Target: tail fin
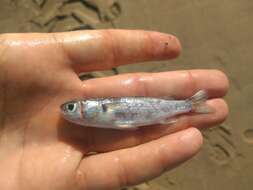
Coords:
pixel 198 102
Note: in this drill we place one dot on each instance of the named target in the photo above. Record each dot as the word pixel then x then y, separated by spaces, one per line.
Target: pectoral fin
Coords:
pixel 169 121
pixel 107 107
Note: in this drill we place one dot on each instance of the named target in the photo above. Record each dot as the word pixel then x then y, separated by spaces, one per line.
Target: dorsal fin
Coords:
pixel 200 97
pixel 167 98
pixel 198 102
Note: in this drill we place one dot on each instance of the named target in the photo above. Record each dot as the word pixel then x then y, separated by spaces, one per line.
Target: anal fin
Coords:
pixel 125 127
pixel 169 121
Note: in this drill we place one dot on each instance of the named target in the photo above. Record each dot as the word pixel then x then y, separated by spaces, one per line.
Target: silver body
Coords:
pixel 126 112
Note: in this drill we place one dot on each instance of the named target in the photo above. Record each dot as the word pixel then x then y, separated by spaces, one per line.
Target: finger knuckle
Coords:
pixel 162 160
pixel 113 52
pixel 189 84
pixel 81 179
pixel 140 86
pixel 123 175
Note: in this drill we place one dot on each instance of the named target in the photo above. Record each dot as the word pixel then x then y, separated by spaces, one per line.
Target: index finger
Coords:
pixel 104 49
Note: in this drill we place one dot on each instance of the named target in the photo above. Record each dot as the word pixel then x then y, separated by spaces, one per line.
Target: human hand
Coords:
pixel 39 72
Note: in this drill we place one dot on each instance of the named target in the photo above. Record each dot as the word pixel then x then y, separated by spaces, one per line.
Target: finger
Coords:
pixel 135 165
pixel 104 140
pixel 177 84
pixel 104 49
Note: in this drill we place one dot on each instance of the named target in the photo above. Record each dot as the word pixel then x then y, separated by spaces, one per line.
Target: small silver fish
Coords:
pixel 131 112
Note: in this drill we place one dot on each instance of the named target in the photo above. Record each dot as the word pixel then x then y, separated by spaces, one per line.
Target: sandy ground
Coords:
pixel 215 34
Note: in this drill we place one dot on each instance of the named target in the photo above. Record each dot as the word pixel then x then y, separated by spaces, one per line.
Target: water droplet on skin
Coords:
pixel 127 82
pixel 162 146
pixel 116 159
pixel 67 154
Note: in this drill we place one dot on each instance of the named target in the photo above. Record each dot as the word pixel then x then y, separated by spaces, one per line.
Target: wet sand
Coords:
pixel 215 35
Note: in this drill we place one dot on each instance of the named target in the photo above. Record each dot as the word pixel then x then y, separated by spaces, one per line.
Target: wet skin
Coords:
pixel 40 150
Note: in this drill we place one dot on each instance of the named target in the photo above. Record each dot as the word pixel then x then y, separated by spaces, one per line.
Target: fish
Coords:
pixel 132 112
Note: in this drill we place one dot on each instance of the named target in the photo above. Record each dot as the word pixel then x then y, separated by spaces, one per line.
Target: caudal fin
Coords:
pixel 198 102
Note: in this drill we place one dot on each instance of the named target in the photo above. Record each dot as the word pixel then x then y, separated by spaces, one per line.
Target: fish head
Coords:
pixel 72 111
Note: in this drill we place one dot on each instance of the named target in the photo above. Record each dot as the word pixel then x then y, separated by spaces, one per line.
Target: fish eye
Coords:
pixel 71 107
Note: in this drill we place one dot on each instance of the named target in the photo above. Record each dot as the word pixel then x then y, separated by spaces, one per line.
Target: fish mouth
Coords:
pixel 63 107
pixel 63 110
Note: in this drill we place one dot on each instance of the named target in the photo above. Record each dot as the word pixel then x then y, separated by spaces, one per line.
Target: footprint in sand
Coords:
pixel 69 15
pixel 219 143
pixel 248 136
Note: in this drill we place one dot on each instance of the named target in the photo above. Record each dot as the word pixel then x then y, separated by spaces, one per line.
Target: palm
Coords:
pixel 39 150
pixel 35 90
